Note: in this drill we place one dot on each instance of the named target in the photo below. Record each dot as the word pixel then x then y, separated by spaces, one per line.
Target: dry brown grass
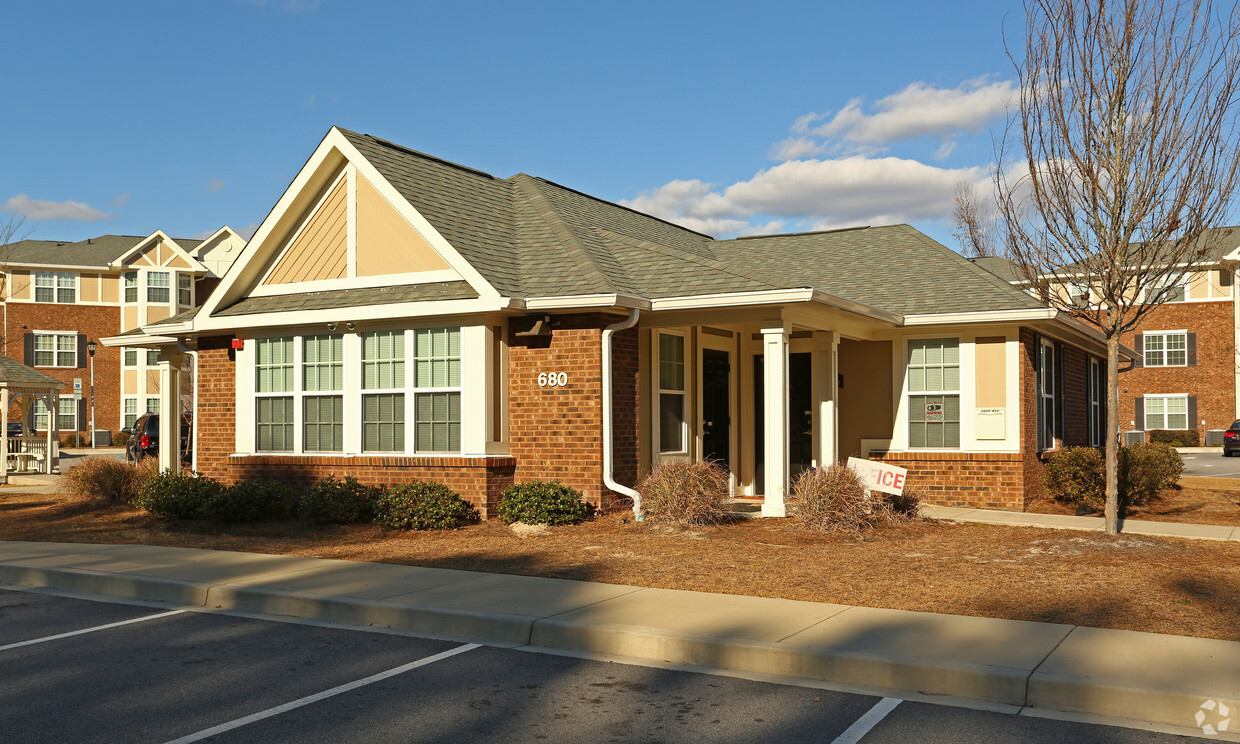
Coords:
pixel 1162 585
pixel 1182 505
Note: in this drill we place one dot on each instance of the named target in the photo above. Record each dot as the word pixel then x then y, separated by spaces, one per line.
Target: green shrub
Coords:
pixel 119 439
pixel 1175 437
pixel 538 502
pixel 1077 475
pixel 74 439
pixel 258 500
pixel 176 495
pixel 686 492
pixel 334 501
pixel 423 506
pixel 108 479
pixel 1146 469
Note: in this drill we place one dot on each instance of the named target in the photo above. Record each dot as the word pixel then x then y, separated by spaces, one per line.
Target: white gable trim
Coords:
pixel 125 260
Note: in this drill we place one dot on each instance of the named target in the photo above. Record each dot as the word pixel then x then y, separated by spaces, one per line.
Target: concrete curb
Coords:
pixel 1034 665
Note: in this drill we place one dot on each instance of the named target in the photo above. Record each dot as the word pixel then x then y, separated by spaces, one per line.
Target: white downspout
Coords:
pixel 608 480
pixel 193 397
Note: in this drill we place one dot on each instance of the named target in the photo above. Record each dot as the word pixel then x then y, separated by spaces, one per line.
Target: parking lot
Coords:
pixel 73 670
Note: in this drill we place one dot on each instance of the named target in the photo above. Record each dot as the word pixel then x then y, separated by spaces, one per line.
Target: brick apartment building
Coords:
pixel 397 316
pixel 60 296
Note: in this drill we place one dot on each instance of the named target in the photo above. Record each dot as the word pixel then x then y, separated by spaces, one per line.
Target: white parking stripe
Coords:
pixel 45 639
pixel 238 723
pixel 868 721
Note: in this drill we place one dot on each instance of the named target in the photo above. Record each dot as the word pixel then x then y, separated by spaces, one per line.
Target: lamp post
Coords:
pixel 90 349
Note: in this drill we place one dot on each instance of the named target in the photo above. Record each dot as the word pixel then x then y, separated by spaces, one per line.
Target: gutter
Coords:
pixel 608 477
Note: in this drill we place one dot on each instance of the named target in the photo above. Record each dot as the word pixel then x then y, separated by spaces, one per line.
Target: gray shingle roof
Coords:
pixel 91 252
pixel 1004 268
pixel 530 237
pixel 338 298
pixel 16 374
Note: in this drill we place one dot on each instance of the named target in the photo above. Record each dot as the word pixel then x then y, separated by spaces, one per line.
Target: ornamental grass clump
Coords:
pixel 424 506
pixel 345 501
pixel 686 493
pixel 831 499
pixel 539 502
pixel 107 479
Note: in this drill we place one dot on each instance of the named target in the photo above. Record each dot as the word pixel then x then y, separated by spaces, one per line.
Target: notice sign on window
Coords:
pixel 934 412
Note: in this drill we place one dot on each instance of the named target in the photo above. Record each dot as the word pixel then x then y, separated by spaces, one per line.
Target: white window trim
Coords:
pixel 1096 387
pixel 958 392
pixel 136 413
pixel 188 290
pixel 1183 280
pixel 1046 396
pixel 413 391
pixel 1145 336
pixel 1145 414
pixel 147 274
pixel 56 352
pixel 660 391
pixel 61 399
pixel 55 287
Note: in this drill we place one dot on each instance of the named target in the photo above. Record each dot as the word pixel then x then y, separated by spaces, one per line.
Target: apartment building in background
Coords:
pixel 61 296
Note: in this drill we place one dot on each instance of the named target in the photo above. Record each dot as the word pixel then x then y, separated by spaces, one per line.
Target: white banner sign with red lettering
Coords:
pixel 879 476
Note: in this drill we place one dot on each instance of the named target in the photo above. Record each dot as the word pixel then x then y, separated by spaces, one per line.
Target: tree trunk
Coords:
pixel 1112 435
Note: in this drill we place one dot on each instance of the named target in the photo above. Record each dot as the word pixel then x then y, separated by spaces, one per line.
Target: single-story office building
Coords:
pixel 400 317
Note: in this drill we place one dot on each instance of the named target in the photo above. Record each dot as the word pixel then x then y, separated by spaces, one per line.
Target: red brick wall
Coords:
pixel 1033 469
pixel 984 480
pixel 1212 381
pixel 95 321
pixel 556 433
pixel 216 417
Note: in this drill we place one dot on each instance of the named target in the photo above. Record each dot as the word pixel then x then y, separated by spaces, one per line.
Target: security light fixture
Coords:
pixel 331 326
pixel 350 326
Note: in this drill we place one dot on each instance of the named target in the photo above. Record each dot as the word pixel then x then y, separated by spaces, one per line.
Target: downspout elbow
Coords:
pixel 608 476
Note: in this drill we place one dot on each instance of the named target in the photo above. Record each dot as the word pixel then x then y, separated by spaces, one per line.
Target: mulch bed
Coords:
pixel 1162 585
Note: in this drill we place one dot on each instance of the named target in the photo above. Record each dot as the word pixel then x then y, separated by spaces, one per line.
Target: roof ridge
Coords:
pixel 617 206
pixel 667 250
pixel 418 153
pixel 807 232
pixel 542 205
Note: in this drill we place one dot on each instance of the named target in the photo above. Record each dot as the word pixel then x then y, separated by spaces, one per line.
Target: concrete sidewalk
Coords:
pixel 1007 664
pixel 1088 524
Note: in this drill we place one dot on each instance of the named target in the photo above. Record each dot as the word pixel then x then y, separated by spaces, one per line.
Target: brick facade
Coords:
pixel 1212 380
pixel 96 321
pixel 983 480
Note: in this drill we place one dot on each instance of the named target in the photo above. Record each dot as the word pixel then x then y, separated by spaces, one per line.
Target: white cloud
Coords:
pixel 919 110
pixel 793 148
pixel 122 199
pixel 34 209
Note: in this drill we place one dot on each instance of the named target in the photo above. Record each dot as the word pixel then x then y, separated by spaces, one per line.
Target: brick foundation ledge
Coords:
pixel 985 480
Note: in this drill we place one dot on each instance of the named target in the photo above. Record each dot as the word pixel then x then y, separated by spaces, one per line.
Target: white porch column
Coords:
pixel 53 428
pixel 825 361
pixel 170 410
pixel 775 411
pixel 4 446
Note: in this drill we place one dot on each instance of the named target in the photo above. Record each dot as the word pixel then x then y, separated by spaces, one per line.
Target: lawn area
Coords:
pixel 1183 505
pixel 1162 585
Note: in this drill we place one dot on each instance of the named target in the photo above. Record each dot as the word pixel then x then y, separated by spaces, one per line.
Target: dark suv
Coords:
pixel 1231 440
pixel 144 437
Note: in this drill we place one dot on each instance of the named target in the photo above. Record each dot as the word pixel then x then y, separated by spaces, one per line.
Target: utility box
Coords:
pixel 1214 437
pixel 103 438
pixel 1134 437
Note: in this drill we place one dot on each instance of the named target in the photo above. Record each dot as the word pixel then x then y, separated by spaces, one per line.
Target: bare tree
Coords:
pixel 12 230
pixel 1130 154
pixel 975 222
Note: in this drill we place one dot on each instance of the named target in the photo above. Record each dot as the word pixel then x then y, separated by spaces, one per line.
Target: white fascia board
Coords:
pixel 574 302
pixel 415 218
pixel 158 328
pixel 984 316
pixel 733 299
pixel 123 261
pixel 225 230
pixel 138 341
pixel 53 267
pixel 363 313
pixel 858 308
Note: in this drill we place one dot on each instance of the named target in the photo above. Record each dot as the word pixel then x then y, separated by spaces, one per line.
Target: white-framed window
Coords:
pixel 1097 411
pixel 158 287
pixel 1046 396
pixel 1078 294
pixel 131 286
pixel 437 389
pixel 152 404
pixel 185 292
pixel 129 412
pixel 934 393
pixel 322 370
pixel 383 391
pixel 67 418
pixel 1166 412
pixel 55 286
pixel 673 424
pixel 1177 287
pixel 130 356
pixel 55 349
pixel 273 405
pixel 1165 349
pixel 152 357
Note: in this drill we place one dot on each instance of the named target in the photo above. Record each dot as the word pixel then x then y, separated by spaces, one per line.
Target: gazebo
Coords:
pixel 22 386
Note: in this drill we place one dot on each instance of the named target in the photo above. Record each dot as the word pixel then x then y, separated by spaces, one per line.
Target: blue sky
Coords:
pixel 731 118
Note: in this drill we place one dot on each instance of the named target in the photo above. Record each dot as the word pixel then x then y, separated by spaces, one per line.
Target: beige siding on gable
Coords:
pixel 320 252
pixel 386 242
pixel 177 262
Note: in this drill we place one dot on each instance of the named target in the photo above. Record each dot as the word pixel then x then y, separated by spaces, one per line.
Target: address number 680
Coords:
pixel 552 379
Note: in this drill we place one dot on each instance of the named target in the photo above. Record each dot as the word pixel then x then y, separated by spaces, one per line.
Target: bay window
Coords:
pixel 383 410
pixel 131 287
pixel 437 389
pixel 273 410
pixel 934 392
pixel 323 372
pixel 158 287
pixel 184 290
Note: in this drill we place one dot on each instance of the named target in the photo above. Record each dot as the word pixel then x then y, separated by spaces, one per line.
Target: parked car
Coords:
pixel 1231 439
pixel 144 437
pixel 16 429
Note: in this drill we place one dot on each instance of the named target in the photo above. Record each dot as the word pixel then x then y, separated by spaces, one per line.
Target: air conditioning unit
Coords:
pixel 1214 437
pixel 1133 437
